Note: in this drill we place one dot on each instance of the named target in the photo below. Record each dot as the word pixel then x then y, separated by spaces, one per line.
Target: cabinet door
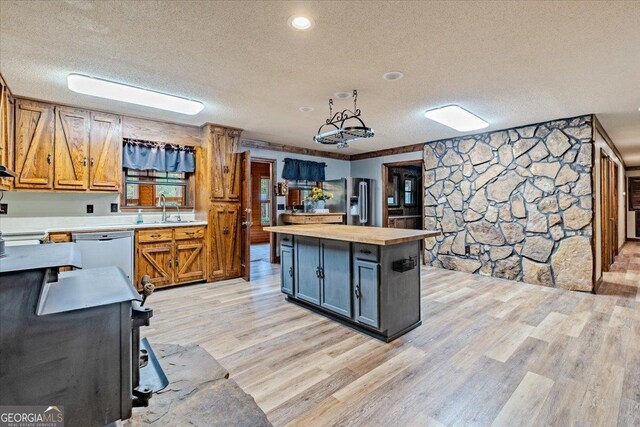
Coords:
pixel 71 148
pixel 224 164
pixel 156 261
pixel 335 287
pixel 225 245
pixel 105 152
pixel 286 270
pixel 366 292
pixel 7 114
pixel 189 262
pixel 307 269
pixel 34 145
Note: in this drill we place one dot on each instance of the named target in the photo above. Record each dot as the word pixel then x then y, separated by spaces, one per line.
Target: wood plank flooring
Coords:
pixel 489 352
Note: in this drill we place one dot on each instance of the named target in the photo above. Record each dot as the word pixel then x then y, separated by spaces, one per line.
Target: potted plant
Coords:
pixel 318 197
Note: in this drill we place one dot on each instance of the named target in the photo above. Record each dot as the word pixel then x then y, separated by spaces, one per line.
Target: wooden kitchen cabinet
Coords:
pixel 34 139
pixel 171 256
pixel 7 133
pixel 105 152
pixel 71 148
pixel 225 164
pixel 224 243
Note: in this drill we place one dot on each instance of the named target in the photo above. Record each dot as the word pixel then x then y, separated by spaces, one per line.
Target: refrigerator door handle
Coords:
pixel 363 202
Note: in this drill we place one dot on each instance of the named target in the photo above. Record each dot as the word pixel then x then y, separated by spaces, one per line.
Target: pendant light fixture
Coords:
pixel 343 127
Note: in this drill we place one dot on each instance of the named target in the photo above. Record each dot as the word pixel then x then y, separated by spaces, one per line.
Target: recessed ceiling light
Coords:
pixel 343 95
pixel 393 75
pixel 306 109
pixel 300 22
pixel 134 95
pixel 456 118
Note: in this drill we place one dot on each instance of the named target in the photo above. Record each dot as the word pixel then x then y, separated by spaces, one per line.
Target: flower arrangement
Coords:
pixel 318 194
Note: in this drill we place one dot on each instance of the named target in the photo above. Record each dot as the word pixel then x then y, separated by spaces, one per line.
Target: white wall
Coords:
pixel 600 143
pixel 372 168
pixel 631 215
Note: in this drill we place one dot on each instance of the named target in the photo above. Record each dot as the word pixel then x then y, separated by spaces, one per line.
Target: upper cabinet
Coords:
pixel 7 115
pixel 34 136
pixel 225 164
pixel 106 152
pixel 65 148
pixel 71 148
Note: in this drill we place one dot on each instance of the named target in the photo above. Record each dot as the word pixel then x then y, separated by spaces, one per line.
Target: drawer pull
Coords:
pixel 365 251
pixel 155 235
pixel 190 233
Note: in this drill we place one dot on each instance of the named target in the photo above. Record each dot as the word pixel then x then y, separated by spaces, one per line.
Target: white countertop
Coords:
pixel 16 226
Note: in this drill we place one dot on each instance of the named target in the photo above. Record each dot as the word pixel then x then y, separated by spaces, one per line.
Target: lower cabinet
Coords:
pixel 286 264
pixel 322 273
pixel 366 291
pixel 224 241
pixel 171 256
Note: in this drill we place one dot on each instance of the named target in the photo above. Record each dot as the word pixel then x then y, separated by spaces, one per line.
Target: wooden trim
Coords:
pixel 632 168
pixel 264 145
pixel 598 127
pixel 383 184
pixel 389 151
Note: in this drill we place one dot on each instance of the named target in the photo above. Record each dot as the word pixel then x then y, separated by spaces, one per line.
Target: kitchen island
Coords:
pixel 367 278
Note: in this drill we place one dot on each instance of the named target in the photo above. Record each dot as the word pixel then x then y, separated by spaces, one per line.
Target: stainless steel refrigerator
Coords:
pixel 354 196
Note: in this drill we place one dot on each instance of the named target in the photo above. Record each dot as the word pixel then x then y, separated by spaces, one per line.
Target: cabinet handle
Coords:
pixel 322 273
pixel 365 251
pixel 170 262
pixel 91 162
pixel 290 271
pixel 318 272
pixel 155 235
pixel 190 233
pixel 357 291
pixel 84 161
pixel 49 158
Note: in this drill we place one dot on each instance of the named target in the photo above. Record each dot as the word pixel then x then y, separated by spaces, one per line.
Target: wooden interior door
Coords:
pixel 34 145
pixel 608 211
pixel 260 171
pixel 189 260
pixel 245 215
pixel 232 241
pixel 106 152
pixel 156 261
pixel 71 148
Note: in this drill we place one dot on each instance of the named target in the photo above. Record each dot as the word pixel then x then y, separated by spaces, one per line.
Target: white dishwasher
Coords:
pixel 105 249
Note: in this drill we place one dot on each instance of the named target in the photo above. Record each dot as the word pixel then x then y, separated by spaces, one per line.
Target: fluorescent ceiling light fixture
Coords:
pixel 134 95
pixel 300 22
pixel 456 118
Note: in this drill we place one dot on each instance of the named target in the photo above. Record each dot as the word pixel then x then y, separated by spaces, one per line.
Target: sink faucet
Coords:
pixel 163 204
pixel 178 215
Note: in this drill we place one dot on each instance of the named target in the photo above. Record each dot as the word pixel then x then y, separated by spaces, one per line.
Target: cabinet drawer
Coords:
pixel 286 240
pixel 59 237
pixel 366 252
pixel 184 233
pixel 158 235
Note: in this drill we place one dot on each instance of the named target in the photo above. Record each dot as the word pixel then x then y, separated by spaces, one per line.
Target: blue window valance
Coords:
pixel 146 155
pixel 303 170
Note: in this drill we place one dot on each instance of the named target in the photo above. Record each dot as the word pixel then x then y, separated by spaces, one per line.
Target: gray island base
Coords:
pixel 367 278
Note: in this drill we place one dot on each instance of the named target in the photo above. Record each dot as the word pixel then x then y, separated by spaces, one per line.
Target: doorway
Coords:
pixel 263 210
pixel 609 210
pixel 402 193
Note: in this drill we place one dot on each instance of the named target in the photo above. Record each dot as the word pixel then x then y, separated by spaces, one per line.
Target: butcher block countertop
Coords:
pixel 352 233
pixel 314 213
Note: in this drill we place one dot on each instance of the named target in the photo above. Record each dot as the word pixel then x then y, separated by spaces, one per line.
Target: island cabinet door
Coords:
pixel 307 269
pixel 366 292
pixel 286 263
pixel 335 284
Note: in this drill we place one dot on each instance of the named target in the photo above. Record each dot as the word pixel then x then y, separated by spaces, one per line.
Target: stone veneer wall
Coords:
pixel 519 199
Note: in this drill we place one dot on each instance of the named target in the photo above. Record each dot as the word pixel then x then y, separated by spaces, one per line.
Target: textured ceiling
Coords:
pixel 510 63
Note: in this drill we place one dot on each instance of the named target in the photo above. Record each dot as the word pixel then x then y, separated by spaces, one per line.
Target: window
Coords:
pixel 265 200
pixel 144 188
pixel 392 190
pixel 634 194
pixel 410 191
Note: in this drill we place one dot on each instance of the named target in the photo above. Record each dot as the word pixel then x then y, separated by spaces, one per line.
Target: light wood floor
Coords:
pixel 489 352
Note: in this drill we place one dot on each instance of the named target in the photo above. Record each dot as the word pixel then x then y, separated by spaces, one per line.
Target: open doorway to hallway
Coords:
pixel 402 189
pixel 263 210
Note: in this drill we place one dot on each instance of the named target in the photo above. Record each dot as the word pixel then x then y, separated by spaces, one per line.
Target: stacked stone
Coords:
pixel 515 204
